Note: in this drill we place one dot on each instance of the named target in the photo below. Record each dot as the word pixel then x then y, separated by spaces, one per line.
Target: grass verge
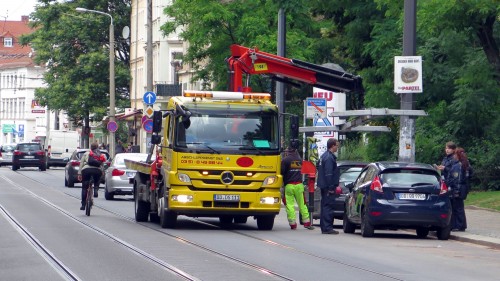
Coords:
pixel 484 199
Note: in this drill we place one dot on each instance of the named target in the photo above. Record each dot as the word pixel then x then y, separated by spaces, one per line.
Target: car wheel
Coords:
pixel 443 233
pixel 422 232
pixel 65 181
pixel 71 183
pixel 108 195
pixel 366 228
pixel 348 226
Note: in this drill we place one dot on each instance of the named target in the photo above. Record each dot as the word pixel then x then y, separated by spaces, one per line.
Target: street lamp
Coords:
pixel 111 75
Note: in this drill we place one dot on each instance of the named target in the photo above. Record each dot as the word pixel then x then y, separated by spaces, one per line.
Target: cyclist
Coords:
pixel 88 169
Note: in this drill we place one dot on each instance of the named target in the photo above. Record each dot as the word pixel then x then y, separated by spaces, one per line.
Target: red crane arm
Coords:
pixel 248 61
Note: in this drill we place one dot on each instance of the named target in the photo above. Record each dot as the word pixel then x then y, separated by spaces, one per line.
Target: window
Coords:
pixel 7 42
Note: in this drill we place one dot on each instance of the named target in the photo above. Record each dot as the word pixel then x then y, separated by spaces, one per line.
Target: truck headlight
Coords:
pixel 269 200
pixel 270 180
pixel 182 198
pixel 184 178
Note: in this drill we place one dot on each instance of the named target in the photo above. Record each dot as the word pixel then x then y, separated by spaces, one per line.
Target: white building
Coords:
pixel 170 75
pixel 21 117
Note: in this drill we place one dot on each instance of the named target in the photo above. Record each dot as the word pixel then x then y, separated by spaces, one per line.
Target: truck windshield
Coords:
pixel 255 132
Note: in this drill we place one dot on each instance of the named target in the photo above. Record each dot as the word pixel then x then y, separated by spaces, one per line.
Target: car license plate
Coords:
pixel 130 174
pixel 411 196
pixel 29 157
pixel 227 197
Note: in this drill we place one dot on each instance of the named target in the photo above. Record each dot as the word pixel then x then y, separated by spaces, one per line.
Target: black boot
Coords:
pixel 95 193
pixel 82 207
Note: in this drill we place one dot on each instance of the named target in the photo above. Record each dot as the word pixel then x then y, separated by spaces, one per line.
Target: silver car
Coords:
pixel 6 151
pixel 117 175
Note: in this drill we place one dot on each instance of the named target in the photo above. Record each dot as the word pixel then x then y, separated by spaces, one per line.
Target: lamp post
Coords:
pixel 111 75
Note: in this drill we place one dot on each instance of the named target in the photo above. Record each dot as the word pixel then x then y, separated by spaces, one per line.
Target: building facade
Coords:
pixel 21 116
pixel 170 76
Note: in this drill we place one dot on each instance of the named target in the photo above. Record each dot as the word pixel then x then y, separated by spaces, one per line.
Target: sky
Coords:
pixel 14 9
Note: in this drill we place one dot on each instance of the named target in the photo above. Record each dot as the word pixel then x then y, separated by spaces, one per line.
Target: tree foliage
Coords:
pixel 75 49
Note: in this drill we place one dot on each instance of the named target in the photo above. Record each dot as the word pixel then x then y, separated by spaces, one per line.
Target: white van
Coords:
pixel 60 146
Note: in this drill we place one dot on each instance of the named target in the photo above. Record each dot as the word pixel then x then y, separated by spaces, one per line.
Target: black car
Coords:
pixel 29 154
pixel 392 195
pixel 349 171
pixel 73 166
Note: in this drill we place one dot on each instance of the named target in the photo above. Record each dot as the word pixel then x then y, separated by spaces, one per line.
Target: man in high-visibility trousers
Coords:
pixel 294 189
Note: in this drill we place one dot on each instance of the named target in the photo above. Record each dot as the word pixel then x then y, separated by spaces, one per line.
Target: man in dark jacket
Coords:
pixel 328 180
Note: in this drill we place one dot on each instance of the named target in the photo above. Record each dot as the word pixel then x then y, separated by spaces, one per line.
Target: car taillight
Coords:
pixel 74 163
pixel 117 172
pixel 376 185
pixel 443 189
pixel 17 152
pixel 41 153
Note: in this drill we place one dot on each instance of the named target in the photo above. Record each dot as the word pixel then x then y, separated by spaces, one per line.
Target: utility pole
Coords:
pixel 280 86
pixel 149 47
pixel 407 123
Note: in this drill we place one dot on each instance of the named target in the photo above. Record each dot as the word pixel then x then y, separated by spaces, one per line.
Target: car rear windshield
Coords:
pixel 29 147
pixel 409 177
pixel 8 148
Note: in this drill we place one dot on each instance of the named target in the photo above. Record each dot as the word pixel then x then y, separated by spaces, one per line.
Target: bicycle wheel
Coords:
pixel 88 204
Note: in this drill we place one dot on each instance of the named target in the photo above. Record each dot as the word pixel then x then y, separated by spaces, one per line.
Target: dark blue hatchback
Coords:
pixel 392 195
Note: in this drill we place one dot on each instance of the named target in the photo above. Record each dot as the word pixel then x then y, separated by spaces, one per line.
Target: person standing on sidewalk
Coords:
pixel 459 174
pixel 448 160
pixel 291 167
pixel 327 180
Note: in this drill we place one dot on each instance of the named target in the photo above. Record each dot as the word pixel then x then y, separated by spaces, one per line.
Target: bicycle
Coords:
pixel 90 194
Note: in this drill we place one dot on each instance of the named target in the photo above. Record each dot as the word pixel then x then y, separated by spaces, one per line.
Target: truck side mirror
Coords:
pixel 157 119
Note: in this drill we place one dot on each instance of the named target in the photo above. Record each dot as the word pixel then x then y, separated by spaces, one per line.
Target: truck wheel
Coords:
pixel 265 222
pixel 153 217
pixel 141 209
pixel 168 219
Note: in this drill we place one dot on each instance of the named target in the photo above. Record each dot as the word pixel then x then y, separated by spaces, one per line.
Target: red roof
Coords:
pixel 17 55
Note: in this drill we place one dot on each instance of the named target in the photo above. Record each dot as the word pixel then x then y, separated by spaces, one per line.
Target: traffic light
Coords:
pixel 157 119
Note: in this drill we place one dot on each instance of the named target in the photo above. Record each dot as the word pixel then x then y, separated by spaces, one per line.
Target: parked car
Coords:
pixel 6 151
pixel 29 154
pixel 349 171
pixel 392 195
pixel 73 166
pixel 117 175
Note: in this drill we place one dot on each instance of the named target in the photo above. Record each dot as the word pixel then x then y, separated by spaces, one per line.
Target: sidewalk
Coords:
pixel 483 227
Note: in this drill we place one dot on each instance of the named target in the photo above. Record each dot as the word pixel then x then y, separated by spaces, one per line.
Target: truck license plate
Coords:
pixel 227 197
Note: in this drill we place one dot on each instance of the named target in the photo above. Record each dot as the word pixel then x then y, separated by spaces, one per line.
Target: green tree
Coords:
pixel 75 49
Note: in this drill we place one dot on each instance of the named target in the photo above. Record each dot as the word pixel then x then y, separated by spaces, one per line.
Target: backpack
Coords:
pixel 95 160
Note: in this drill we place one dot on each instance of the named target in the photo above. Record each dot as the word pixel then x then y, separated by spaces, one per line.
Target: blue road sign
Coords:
pixel 112 126
pixel 148 125
pixel 149 98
